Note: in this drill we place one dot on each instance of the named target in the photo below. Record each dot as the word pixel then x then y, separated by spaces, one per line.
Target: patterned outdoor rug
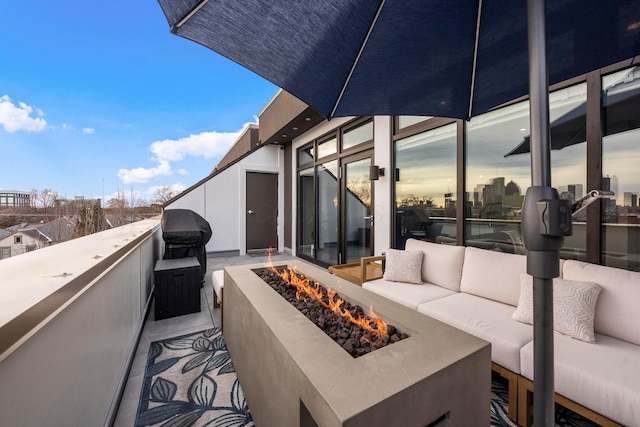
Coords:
pixel 499 414
pixel 190 381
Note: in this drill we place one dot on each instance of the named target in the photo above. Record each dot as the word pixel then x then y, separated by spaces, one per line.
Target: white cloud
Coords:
pixel 88 130
pixel 129 176
pixel 205 144
pixel 17 117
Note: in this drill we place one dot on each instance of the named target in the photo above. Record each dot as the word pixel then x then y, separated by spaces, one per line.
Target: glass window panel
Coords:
pixel 406 121
pixel 328 147
pixel 355 136
pixel 620 160
pixel 306 213
pixel 499 170
pixel 425 192
pixel 305 155
pixel 358 210
pixel 328 213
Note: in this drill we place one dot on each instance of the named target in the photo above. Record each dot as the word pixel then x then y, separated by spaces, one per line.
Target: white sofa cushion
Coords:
pixel 493 275
pixel 404 266
pixel 407 293
pixel 218 283
pixel 486 319
pixel 574 306
pixel 617 312
pixel 441 265
pixel 603 377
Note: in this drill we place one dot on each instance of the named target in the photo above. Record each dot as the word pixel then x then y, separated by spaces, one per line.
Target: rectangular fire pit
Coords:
pixel 293 374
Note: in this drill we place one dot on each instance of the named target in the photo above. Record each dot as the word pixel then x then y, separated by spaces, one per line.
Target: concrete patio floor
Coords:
pixel 208 317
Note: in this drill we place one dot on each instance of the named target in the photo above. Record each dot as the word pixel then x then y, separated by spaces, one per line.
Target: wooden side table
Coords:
pixel 359 272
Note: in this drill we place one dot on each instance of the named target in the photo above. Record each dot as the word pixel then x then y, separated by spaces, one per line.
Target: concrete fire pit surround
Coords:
pixel 293 374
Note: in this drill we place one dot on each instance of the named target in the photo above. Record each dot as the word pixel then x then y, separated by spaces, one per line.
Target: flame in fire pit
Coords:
pixel 307 289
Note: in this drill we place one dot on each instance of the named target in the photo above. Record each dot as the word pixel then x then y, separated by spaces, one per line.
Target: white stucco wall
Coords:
pixel 382 131
pixel 221 200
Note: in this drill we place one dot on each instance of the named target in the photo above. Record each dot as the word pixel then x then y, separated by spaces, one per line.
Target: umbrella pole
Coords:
pixel 543 250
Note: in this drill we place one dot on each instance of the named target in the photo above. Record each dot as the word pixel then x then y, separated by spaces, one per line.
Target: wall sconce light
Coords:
pixel 375 172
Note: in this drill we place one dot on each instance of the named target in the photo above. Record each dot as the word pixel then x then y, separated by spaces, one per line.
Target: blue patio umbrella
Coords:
pixel 446 58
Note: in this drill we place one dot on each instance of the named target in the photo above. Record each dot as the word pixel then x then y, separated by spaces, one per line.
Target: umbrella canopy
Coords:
pixel 445 58
pixel 622 112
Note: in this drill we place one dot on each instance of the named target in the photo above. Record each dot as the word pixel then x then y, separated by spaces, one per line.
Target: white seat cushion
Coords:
pixel 408 294
pixel 603 377
pixel 441 265
pixel 486 319
pixel 493 275
pixel 218 283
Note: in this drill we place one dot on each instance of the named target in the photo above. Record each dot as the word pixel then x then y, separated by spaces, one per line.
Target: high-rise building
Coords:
pixel 630 199
pixel 576 190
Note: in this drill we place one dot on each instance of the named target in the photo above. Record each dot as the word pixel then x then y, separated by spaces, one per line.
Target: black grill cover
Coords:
pixel 185 227
pixel 185 234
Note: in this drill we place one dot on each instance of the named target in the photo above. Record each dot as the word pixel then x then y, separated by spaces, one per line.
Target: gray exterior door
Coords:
pixel 262 211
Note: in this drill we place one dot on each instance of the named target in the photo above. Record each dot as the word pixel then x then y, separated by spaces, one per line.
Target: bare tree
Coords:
pixel 163 194
pixel 46 199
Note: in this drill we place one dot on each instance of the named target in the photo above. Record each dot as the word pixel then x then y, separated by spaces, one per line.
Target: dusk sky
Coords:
pixel 100 96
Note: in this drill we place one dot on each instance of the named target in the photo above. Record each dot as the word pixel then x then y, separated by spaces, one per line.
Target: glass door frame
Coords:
pixel 362 148
pixel 342 208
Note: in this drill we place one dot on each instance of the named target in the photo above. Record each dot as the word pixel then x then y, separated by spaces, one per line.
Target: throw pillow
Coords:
pixel 403 266
pixel 574 306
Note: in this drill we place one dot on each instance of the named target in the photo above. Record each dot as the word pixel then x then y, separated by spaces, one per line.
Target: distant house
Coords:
pixel 26 237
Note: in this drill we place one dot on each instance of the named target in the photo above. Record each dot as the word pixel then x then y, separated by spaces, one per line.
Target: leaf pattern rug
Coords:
pixel 190 381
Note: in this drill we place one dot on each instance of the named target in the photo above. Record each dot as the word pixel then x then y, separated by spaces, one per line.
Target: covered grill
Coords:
pixel 185 234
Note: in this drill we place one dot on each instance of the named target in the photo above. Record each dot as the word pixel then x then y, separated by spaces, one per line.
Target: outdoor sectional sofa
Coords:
pixel 478 291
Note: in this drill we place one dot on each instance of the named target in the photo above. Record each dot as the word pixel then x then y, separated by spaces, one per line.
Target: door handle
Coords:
pixel 370 218
pixel 250 212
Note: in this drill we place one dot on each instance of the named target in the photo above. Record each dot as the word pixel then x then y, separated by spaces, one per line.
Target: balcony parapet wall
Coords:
pixel 69 318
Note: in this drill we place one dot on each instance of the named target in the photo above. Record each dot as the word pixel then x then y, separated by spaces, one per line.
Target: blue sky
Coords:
pixel 100 96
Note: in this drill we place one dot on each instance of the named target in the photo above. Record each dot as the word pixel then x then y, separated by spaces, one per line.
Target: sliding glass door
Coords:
pixel 357 208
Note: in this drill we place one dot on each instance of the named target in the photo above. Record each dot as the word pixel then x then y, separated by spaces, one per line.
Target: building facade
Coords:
pixel 15 199
pixel 357 186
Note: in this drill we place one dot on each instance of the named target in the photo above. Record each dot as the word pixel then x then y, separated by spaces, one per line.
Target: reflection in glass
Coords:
pixel 499 170
pixel 328 147
pixel 327 213
pixel 305 155
pixel 358 210
pixel 358 135
pixel 620 160
pixel 425 192
pixel 406 121
pixel 306 213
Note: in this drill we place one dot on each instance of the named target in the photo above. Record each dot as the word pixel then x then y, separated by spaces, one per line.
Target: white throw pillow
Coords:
pixel 574 306
pixel 403 266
